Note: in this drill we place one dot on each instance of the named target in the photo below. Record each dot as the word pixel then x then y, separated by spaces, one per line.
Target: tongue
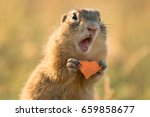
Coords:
pixel 85 44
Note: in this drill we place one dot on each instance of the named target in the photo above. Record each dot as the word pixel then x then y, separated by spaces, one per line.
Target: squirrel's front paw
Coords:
pixel 73 65
pixel 102 64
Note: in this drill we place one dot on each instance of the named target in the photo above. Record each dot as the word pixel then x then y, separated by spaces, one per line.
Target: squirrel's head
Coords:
pixel 83 27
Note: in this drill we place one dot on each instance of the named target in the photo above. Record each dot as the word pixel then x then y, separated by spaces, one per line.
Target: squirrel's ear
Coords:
pixel 64 17
pixel 98 13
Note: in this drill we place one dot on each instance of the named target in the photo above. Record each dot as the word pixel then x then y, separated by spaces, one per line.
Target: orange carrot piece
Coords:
pixel 89 68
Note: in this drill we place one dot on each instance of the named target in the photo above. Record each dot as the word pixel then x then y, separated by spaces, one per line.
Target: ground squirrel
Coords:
pixel 80 36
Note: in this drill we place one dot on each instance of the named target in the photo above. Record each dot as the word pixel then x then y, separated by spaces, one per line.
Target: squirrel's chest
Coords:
pixel 75 90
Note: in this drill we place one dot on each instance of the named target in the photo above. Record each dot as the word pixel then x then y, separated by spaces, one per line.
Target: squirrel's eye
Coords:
pixel 74 16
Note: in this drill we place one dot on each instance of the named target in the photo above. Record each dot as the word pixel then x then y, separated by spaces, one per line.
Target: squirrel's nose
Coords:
pixel 91 30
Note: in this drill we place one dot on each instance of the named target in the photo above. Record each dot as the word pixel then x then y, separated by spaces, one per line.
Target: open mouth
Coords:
pixel 85 44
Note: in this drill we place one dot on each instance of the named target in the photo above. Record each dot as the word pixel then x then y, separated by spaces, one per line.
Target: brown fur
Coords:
pixel 51 78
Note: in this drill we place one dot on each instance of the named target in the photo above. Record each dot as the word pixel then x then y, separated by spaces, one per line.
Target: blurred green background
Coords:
pixel 26 24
